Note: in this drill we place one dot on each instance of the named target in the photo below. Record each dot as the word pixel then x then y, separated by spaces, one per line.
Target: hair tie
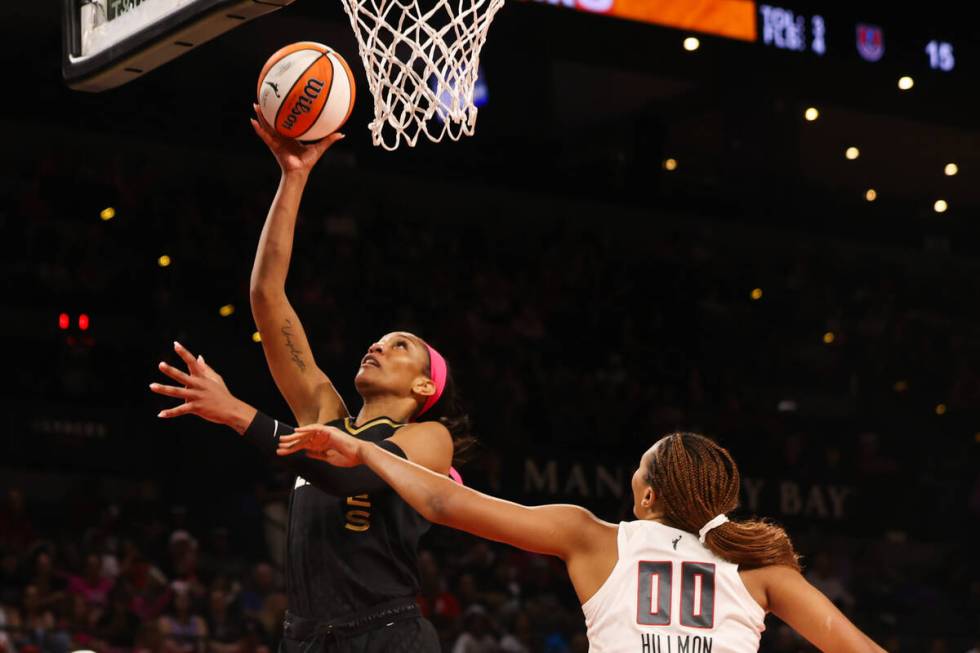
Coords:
pixel 714 523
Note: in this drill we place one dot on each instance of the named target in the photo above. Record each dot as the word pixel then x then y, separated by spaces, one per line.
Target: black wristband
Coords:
pixel 264 432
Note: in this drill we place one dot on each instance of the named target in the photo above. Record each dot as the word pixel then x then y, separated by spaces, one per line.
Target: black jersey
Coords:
pixel 345 554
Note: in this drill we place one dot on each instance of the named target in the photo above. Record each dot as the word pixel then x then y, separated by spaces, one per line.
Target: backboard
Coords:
pixel 110 42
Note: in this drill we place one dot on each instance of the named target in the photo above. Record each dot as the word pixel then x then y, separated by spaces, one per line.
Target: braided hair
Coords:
pixel 696 479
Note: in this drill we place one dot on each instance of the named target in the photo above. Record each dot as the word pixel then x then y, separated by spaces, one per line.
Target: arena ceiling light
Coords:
pixel 692 43
pixel 940 206
pixel 811 114
pixel 905 82
pixel 951 169
pixel 871 194
pixel 852 153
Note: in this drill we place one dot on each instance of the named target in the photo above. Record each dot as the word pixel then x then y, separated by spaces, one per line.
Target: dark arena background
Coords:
pixel 643 236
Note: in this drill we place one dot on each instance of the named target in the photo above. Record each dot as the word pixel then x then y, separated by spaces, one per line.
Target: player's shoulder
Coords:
pixel 425 429
pixel 432 435
pixel 761 581
pixel 427 443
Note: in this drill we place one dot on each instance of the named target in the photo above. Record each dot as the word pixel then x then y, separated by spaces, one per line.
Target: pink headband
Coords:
pixel 437 372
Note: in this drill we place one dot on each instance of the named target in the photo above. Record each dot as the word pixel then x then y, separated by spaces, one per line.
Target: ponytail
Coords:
pixel 752 544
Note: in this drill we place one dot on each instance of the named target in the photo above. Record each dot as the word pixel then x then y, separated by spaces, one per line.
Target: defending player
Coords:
pixel 680 577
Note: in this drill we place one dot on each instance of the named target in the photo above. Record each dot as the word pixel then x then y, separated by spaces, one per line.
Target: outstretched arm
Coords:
pixel 205 394
pixel 306 388
pixel 560 530
pixel 813 615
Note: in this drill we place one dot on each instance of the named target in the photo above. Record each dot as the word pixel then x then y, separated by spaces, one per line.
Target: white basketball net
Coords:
pixel 421 64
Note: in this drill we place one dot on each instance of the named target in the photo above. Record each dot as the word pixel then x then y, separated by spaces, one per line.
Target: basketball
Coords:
pixel 306 91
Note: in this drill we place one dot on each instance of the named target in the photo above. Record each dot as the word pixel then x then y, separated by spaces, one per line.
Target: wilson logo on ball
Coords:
pixel 306 91
pixel 304 103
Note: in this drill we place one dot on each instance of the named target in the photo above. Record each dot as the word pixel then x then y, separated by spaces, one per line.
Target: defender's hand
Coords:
pixel 324 443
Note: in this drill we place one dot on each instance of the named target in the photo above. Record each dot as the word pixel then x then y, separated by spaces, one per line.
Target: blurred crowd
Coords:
pixel 566 324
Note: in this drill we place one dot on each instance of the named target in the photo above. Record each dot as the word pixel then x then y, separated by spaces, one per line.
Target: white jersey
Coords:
pixel 669 594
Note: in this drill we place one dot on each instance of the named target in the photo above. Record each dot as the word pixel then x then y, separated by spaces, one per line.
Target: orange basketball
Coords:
pixel 306 91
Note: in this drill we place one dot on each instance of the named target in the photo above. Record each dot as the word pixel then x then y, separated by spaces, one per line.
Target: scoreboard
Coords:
pixel 865 38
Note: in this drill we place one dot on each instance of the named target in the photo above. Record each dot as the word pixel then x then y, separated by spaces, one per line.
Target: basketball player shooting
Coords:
pixel 351 567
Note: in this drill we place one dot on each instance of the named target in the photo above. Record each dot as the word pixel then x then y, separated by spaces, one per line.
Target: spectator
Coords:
pixel 467 591
pixel 91 585
pixel 39 626
pixel 224 625
pixel 148 587
pixel 520 638
pixel 118 626
pixel 477 635
pixel 184 559
pixel 50 585
pixel 436 602
pixel 220 559
pixel 259 588
pixel 79 619
pixel 182 630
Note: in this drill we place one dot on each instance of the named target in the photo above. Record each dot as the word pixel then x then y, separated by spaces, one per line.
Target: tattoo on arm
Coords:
pixel 294 353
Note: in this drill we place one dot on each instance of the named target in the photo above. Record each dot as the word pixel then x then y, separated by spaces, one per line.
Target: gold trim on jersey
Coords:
pixel 354 430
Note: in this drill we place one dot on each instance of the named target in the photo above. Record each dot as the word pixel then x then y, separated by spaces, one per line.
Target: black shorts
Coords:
pixel 415 635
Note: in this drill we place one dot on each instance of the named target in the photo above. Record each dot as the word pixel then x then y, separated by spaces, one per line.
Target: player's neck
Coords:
pixel 651 515
pixel 399 409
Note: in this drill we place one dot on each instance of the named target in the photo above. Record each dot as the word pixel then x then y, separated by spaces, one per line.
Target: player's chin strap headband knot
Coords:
pixel 714 523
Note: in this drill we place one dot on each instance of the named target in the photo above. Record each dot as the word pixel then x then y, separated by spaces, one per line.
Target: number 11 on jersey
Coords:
pixel 697 598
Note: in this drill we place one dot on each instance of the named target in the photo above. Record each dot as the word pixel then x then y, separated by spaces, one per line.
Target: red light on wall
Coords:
pixel 63 321
pixel 83 322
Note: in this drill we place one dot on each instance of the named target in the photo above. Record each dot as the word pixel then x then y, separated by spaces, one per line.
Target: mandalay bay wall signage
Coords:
pixel 594 483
